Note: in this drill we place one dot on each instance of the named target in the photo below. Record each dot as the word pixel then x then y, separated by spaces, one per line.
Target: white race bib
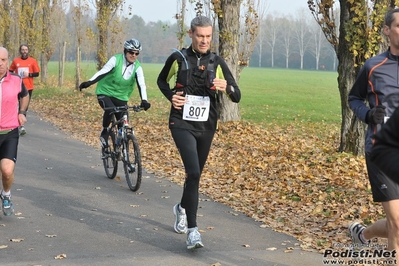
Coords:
pixel 21 71
pixel 196 108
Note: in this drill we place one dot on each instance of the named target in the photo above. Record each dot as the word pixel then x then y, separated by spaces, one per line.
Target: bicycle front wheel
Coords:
pixel 109 157
pixel 132 163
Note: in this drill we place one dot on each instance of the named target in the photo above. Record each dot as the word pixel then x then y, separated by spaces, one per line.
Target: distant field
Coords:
pixel 268 95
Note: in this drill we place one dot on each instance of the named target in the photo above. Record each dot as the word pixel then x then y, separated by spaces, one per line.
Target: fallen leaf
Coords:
pixel 60 257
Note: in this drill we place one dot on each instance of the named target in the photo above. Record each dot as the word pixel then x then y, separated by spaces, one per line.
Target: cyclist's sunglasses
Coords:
pixel 133 52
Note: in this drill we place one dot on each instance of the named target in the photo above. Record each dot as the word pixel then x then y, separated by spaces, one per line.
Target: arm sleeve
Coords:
pixel 385 151
pixel 24 92
pixel 12 67
pixel 167 72
pixel 232 90
pixel 358 95
pixel 141 83
pixel 103 71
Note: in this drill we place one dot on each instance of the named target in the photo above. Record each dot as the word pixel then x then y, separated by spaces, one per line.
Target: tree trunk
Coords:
pixel 77 67
pixel 43 67
pixel 61 66
pixel 229 29
pixel 103 16
pixel 352 129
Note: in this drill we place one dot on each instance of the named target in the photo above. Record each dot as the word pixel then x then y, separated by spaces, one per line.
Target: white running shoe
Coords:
pixel 7 206
pixel 180 225
pixel 194 239
pixel 355 230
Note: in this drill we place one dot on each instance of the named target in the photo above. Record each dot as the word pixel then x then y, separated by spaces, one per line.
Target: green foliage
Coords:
pixel 364 29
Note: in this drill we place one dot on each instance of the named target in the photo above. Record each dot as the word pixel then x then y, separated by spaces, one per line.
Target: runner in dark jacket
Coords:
pixel 378 84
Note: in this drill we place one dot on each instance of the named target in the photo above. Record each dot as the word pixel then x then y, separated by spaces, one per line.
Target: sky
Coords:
pixel 164 10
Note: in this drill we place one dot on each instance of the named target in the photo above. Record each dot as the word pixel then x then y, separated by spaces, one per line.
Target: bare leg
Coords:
pixel 387 228
pixel 377 229
pixel 7 173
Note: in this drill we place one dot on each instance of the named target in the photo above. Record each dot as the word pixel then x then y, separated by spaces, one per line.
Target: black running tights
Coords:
pixel 194 148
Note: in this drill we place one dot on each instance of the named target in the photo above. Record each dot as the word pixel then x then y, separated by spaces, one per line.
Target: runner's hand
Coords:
pixel 376 114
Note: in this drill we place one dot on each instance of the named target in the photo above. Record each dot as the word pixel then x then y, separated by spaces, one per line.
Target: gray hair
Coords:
pixel 389 17
pixel 200 21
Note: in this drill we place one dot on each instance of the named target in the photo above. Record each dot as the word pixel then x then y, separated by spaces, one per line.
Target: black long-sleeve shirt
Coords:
pixel 194 80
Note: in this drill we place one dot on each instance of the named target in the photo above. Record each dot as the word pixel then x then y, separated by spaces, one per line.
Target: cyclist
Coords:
pixel 116 82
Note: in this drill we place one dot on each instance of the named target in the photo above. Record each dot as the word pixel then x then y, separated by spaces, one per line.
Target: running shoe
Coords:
pixel 194 239
pixel 181 219
pixel 8 207
pixel 355 230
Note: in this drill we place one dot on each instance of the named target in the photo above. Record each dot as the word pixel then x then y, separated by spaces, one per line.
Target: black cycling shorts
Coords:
pixel 382 187
pixel 9 145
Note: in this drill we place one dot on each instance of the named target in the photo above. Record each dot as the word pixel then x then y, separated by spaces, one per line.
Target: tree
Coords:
pixel 106 9
pixel 180 18
pixel 359 38
pixel 302 34
pixel 286 36
pixel 271 34
pixel 316 43
pixel 47 48
pixel 229 29
pixel 5 23
pixel 230 32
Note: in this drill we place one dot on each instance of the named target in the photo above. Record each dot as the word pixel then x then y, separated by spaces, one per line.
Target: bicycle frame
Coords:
pixel 126 150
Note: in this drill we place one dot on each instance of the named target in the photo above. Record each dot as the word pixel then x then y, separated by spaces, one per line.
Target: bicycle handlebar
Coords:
pixel 118 109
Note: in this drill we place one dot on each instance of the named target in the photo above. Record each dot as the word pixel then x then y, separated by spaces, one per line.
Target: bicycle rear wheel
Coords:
pixel 132 163
pixel 109 157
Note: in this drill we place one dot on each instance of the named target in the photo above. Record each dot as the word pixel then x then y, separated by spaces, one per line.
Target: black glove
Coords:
pixel 84 85
pixel 145 105
pixel 376 115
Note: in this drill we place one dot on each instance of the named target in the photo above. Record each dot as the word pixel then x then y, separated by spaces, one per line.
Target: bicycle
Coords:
pixel 123 146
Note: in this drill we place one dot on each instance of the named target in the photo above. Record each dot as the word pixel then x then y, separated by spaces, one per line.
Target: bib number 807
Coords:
pixel 196 108
pixel 196 111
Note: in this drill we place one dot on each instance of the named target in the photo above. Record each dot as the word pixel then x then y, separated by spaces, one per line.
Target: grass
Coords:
pixel 278 96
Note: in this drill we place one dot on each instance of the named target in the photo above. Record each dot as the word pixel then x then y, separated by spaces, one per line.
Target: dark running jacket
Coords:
pixel 195 81
pixel 378 84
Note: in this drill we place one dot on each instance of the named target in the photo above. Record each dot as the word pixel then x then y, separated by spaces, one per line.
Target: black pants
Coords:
pixel 105 102
pixel 194 148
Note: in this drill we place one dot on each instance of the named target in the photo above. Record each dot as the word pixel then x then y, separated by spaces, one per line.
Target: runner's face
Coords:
pixel 24 52
pixel 201 39
pixel 3 61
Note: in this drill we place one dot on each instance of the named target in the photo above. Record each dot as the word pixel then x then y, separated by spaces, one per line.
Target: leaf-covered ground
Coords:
pixel 288 178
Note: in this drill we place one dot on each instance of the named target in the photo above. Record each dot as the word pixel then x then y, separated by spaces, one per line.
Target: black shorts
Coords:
pixel 9 145
pixel 382 187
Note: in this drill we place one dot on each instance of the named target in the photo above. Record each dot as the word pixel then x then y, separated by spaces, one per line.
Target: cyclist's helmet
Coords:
pixel 132 45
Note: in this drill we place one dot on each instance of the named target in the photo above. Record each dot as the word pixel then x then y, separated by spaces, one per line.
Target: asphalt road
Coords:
pixel 65 205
